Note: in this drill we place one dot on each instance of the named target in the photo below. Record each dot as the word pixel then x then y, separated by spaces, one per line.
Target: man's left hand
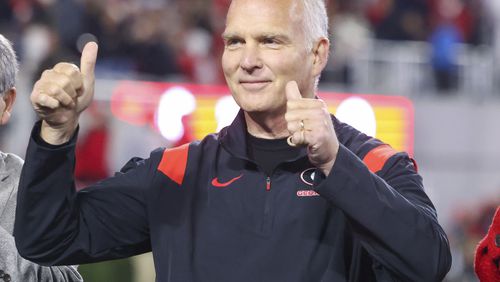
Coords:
pixel 310 124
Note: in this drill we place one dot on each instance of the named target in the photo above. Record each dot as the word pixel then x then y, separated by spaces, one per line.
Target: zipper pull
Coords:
pixel 268 183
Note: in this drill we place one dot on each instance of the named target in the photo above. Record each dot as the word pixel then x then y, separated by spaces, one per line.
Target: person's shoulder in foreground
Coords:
pixel 12 266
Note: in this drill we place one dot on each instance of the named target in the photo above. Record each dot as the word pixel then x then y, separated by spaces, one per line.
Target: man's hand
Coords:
pixel 62 93
pixel 310 125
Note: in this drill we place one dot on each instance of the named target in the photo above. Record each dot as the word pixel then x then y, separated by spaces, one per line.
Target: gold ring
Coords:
pixel 289 141
pixel 301 125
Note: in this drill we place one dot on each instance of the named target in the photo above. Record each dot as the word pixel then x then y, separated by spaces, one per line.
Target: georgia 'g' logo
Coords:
pixel 307 176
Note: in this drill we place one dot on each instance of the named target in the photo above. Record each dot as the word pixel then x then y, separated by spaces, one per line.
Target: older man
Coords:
pixel 282 194
pixel 12 266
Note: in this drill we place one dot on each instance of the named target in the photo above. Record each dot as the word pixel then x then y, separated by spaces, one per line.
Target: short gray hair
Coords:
pixel 8 65
pixel 315 21
pixel 314 24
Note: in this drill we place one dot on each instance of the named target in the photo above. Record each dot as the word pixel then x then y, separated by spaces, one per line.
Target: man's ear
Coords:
pixel 320 54
pixel 9 97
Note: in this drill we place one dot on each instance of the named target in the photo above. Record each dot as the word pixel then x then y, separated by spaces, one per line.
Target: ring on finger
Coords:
pixel 290 142
pixel 301 125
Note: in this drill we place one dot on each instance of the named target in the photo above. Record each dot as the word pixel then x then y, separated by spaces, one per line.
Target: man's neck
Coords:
pixel 266 126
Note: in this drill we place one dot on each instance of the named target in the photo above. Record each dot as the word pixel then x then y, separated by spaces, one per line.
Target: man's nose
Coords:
pixel 251 59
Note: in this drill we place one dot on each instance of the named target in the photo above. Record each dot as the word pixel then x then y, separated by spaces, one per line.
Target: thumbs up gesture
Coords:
pixel 310 125
pixel 62 94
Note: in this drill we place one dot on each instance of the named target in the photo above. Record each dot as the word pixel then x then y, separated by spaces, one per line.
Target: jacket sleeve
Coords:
pixel 19 269
pixel 56 225
pixel 390 215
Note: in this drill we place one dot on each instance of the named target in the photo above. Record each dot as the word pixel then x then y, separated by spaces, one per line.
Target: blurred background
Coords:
pixel 423 75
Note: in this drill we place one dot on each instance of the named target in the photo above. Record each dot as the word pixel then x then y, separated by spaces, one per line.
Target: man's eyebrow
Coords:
pixel 278 36
pixel 228 35
pixel 272 34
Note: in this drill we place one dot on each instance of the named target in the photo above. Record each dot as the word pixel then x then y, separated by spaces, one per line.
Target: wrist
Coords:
pixel 57 135
pixel 327 166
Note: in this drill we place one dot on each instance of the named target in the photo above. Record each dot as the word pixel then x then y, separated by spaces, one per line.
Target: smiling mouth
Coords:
pixel 255 85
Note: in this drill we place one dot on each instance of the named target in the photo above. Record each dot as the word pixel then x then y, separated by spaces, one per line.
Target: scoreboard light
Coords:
pixel 358 113
pixel 175 109
pixel 226 110
pixel 176 103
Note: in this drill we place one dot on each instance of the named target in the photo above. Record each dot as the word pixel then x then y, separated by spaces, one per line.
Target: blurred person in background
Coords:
pixel 12 266
pixel 487 253
pixel 351 34
pixel 92 147
pixel 397 19
pixel 492 12
pixel 285 193
pixel 444 42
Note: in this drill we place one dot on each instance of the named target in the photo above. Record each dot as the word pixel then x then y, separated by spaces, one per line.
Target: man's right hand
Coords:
pixel 62 94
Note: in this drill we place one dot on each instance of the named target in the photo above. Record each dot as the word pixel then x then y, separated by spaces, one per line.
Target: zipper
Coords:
pixel 268 178
pixel 268 183
pixel 268 215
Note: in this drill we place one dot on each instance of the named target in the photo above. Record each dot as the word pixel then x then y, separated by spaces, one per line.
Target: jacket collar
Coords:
pixel 233 138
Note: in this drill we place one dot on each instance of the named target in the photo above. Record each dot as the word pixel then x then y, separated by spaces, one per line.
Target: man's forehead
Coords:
pixel 264 10
pixel 282 5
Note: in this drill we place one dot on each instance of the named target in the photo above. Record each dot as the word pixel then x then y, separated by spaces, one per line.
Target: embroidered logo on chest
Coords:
pixel 307 193
pixel 216 183
pixel 307 176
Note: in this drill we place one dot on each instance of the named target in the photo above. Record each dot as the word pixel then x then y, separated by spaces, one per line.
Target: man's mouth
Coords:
pixel 254 85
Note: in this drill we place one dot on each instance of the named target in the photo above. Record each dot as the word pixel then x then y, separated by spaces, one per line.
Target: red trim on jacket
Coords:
pixel 173 163
pixel 376 157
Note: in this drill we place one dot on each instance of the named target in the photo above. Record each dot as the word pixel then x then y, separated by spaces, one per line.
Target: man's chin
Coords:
pixel 253 109
pixel 260 110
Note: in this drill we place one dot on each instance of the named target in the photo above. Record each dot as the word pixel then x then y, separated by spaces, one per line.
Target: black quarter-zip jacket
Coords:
pixel 208 213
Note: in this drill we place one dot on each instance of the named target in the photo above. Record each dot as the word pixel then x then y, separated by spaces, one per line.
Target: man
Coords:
pixel 240 205
pixel 12 266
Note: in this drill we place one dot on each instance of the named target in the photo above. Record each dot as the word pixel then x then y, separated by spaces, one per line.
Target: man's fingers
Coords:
pixel 292 91
pixel 51 95
pixel 55 98
pixel 297 139
pixel 88 60
pixel 298 135
pixel 43 100
pixel 65 91
pixel 297 125
pixel 63 98
pixel 62 81
pixel 72 72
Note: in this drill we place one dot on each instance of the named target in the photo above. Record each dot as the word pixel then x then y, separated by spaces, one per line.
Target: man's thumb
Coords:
pixel 88 59
pixel 292 91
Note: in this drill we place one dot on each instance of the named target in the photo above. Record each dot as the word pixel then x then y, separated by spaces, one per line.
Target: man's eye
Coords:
pixel 270 41
pixel 233 42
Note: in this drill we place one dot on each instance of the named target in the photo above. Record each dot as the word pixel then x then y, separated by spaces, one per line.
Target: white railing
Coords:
pixel 403 68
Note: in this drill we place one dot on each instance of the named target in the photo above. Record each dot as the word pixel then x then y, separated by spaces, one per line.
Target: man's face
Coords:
pixel 264 49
